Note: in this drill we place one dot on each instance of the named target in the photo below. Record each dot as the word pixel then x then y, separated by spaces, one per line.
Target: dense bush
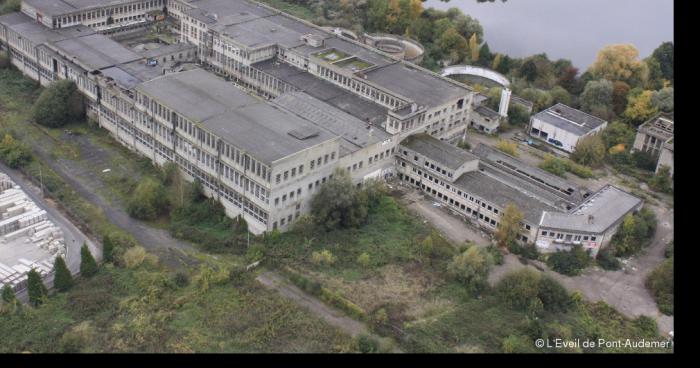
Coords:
pixel 59 104
pixel 471 268
pixel 507 147
pixel 528 251
pixel 203 221
pixel 660 284
pixel 569 262
pixel 366 344
pixel 13 153
pixel 148 201
pixel 635 232
pixel 606 259
pixel 340 204
pixel 532 292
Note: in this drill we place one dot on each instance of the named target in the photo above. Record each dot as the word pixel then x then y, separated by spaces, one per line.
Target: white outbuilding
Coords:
pixel 562 126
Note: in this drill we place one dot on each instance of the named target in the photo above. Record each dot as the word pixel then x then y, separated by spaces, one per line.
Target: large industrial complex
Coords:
pixel 262 107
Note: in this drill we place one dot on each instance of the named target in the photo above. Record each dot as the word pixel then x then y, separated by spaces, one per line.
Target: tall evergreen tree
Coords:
pixel 107 249
pixel 36 289
pixel 62 280
pixel 88 266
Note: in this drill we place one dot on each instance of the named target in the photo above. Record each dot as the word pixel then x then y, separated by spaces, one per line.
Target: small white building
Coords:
pixel 562 126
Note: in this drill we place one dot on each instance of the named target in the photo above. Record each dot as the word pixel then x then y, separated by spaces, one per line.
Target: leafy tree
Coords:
pixel 640 108
pixel 590 151
pixel 606 259
pixel 453 45
pixel 554 297
pixel 619 96
pixel 471 268
pixel 36 289
pixel 540 99
pixel 88 266
pixel 519 288
pixel 509 225
pixel 518 115
pixel 596 98
pixel 59 104
pixel 62 280
pixel 14 153
pixel 560 95
pixel 618 133
pixel 339 204
pixel 569 262
pixel 661 182
pixel 664 55
pixel 148 200
pixel 620 63
pixel 662 99
pixel 569 81
pixel 528 70
pixel 634 233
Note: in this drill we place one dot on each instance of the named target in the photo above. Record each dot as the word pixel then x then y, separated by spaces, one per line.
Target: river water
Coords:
pixel 570 29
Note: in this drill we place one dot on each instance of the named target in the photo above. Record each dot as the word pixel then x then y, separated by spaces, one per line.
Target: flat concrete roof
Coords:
pixel 237 18
pixel 441 152
pixel 95 51
pixel 129 75
pixel 38 33
pixel 496 191
pixel 59 7
pixel 607 207
pixel 325 91
pixel 425 88
pixel 563 189
pixel 569 119
pixel 660 126
pixel 252 124
pixel 353 130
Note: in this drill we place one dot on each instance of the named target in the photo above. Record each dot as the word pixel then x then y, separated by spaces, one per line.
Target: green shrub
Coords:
pixel 13 153
pixel 495 254
pixel 515 344
pixel 324 257
pixel 181 279
pixel 660 285
pixel 471 268
pixel 530 291
pixel 554 297
pixel 366 344
pixel 569 262
pixel 59 104
pixel 606 259
pixel 148 201
pixel 528 251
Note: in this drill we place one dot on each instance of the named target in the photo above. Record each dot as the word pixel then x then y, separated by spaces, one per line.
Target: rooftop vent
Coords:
pixel 304 133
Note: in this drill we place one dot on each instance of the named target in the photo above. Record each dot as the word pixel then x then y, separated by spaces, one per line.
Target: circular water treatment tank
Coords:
pixel 391 46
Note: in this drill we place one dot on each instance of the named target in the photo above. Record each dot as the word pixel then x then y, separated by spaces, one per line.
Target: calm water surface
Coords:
pixel 571 29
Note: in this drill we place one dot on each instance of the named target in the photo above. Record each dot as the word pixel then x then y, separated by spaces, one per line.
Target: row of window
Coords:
pixel 95 14
pixel 568 237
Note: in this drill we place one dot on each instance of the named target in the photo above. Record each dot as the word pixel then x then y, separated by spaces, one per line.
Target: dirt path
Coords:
pixel 87 185
pixel 330 315
pixel 624 290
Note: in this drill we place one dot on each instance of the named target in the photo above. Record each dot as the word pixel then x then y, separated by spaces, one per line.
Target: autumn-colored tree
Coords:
pixel 620 62
pixel 415 9
pixel 474 47
pixel 590 151
pixel 453 43
pixel 640 108
pixel 496 61
pixel 619 96
pixel 509 225
pixel 507 147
